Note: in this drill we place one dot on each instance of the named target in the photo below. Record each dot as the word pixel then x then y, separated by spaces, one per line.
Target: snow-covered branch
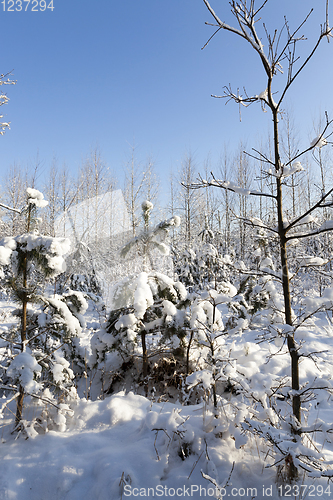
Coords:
pixel 302 218
pixel 317 142
pixel 228 185
pixel 4 80
pixel 324 228
pixel 2 205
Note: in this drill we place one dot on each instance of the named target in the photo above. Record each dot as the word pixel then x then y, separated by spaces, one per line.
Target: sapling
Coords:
pixel 145 305
pixel 28 262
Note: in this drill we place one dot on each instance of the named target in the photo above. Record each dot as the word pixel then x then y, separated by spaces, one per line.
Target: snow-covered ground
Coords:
pixel 127 446
pixel 113 449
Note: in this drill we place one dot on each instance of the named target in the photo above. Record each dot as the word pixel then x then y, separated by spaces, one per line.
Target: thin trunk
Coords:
pixel 292 469
pixel 188 353
pixel 20 399
pixel 144 362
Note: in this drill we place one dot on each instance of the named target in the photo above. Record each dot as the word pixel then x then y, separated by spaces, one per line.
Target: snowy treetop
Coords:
pixel 52 249
pixel 35 197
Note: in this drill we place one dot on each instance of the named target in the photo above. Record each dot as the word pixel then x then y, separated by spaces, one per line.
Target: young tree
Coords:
pixel 144 303
pixel 27 261
pixel 280 49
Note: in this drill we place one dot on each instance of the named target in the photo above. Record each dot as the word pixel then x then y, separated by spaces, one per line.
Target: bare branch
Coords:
pixel 244 22
pixel 291 39
pixel 313 146
pixel 10 208
pixel 292 78
pixel 219 28
pixel 314 233
pixel 262 157
pixel 224 185
pixel 308 212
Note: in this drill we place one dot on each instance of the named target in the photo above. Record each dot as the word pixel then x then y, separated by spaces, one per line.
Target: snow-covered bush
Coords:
pixel 147 322
pixel 201 266
pixel 147 317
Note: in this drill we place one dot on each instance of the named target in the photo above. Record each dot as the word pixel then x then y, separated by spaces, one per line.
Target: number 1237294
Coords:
pixel 27 5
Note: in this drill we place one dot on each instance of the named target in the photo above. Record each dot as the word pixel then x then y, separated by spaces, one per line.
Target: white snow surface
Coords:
pixel 127 443
pixel 112 447
pixel 118 447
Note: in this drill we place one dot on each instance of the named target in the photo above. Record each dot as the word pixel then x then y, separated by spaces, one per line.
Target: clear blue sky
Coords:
pixel 113 73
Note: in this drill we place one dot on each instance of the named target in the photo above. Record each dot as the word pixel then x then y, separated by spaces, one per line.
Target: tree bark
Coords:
pixel 144 362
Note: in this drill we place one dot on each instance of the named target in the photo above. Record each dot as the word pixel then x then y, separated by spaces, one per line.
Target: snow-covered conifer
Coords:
pixel 147 313
pixel 46 323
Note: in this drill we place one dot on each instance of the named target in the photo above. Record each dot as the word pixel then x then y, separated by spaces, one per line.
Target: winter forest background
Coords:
pixel 174 340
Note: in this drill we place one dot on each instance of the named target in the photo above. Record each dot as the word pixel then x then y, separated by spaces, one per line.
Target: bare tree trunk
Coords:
pixel 144 362
pixel 285 276
pixel 20 399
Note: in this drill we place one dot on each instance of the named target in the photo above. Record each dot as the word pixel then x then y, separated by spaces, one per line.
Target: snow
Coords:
pixel 25 368
pixel 52 249
pixel 36 198
pixel 318 142
pixel 203 376
pixel 233 187
pixel 143 297
pixel 147 205
pixel 263 95
pixel 64 316
pixel 5 254
pixel 91 438
pixel 122 442
pixel 293 169
pixel 61 369
pixel 126 321
pixel 169 308
pixel 327 225
pixel 120 445
pixel 310 260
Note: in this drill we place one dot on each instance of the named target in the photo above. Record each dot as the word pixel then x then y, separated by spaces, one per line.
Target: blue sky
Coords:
pixel 113 73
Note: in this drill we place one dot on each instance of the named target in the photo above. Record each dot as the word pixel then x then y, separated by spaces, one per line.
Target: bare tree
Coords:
pixel 243 180
pixel 281 49
pixel 152 183
pixel 227 203
pixel 134 185
pixel 190 202
pixel 51 191
pixel 290 146
pixel 15 184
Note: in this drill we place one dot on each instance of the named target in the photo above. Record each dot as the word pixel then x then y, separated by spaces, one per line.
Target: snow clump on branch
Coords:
pixel 25 369
pixel 36 198
pixel 318 142
pixel 147 205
